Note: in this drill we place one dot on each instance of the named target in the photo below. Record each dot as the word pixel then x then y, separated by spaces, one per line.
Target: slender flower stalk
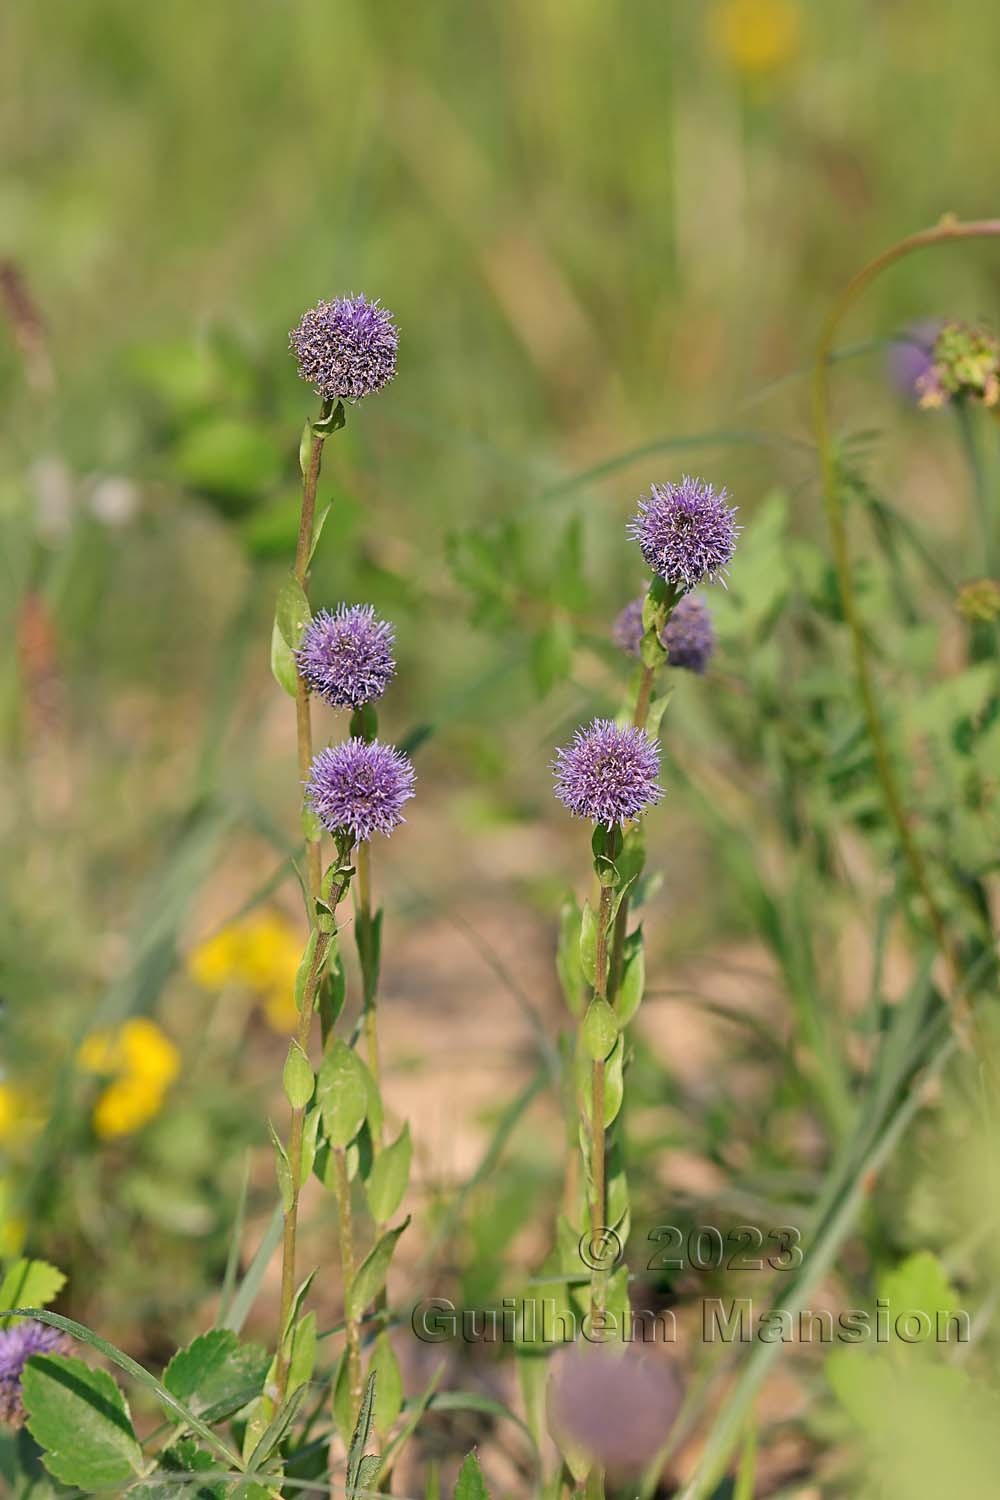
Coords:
pixel 948 230
pixel 346 349
pixel 314 881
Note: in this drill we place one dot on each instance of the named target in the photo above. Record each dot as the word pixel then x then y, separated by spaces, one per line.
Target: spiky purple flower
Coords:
pixel 17 1345
pixel 688 635
pixel 346 657
pixel 346 348
pixel 618 1406
pixel 360 786
pixel 609 773
pixel 627 631
pixel 686 532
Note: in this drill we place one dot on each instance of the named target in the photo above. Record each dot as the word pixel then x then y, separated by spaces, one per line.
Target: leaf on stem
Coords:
pixel 79 1416
pixel 371 1274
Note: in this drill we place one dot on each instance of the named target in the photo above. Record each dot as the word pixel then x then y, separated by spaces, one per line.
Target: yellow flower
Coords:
pixel 13 1227
pixel 216 962
pixel 125 1105
pixel 142 1063
pixel 756 36
pixel 137 1049
pixel 262 954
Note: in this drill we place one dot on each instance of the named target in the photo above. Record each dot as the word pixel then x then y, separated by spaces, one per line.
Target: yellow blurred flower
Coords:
pixel 20 1115
pixel 13 1227
pixel 757 36
pixel 126 1105
pixel 261 954
pixel 142 1063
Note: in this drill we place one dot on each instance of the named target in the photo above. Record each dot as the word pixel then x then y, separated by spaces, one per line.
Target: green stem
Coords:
pixel 598 1202
pixel 367 958
pixel 303 720
pixel 949 229
pixel 345 1235
pixel 295 1164
pixel 314 871
pixel 640 714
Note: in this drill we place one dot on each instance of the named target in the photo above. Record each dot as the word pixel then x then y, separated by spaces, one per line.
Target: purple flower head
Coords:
pixel 627 631
pixel 686 532
pixel 618 1407
pixel 346 348
pixel 911 358
pixel 360 786
pixel 17 1345
pixel 346 657
pixel 688 635
pixel 608 774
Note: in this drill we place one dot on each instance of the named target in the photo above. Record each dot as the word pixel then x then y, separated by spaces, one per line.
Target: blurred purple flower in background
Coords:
pixel 17 1345
pixel 911 357
pixel 346 657
pixel 616 1405
pixel 360 786
pixel 608 774
pixel 688 635
pixel 346 349
pixel 627 631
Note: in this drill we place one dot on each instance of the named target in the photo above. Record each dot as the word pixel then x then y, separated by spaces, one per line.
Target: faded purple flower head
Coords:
pixel 616 1406
pixel 608 774
pixel 911 358
pixel 346 348
pixel 346 657
pixel 17 1345
pixel 627 631
pixel 686 532
pixel 688 635
pixel 360 786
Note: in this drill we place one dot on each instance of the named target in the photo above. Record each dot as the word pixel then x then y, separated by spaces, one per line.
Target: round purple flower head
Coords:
pixel 688 635
pixel 608 774
pixel 17 1345
pixel 346 348
pixel 346 657
pixel 911 358
pixel 360 786
pixel 618 1407
pixel 627 631
pixel 686 532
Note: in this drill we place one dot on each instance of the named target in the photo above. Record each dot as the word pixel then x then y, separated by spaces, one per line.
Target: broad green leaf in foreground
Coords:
pixel 80 1418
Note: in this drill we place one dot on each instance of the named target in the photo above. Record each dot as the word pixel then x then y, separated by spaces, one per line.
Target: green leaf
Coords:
pixel 471 1484
pixel 600 1029
pixel 388 1383
pixel 342 1093
pixel 216 1375
pixel 283 1168
pixel 552 654
pixel 231 460
pixel 291 612
pixel 588 943
pixel 318 524
pixel 371 1274
pixel 333 423
pixel 389 1176
pixel 283 667
pixel 633 980
pixel 29 1283
pixel 182 1458
pixel 568 962
pixel 80 1418
pixel 303 1361
pixel 359 1440
pixel 298 1077
pixel 655 716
